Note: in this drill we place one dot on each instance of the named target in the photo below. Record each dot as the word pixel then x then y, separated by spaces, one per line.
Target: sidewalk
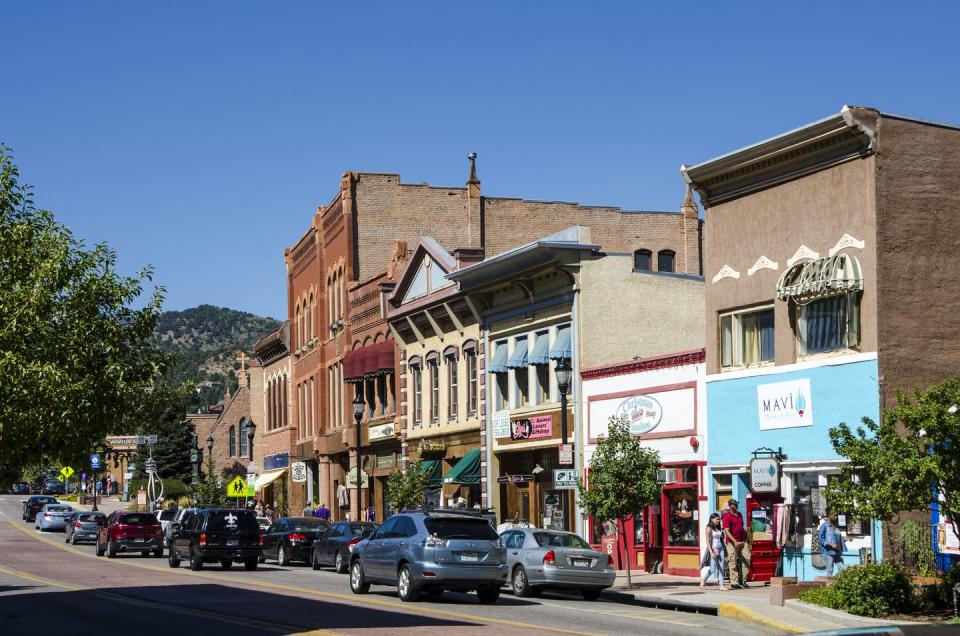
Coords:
pixel 751 605
pixel 106 505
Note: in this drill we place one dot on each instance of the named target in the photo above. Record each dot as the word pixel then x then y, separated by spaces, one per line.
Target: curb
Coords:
pixel 655 602
pixel 838 616
pixel 745 615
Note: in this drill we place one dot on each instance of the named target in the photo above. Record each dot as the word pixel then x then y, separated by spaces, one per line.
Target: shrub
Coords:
pixel 184 502
pixel 874 589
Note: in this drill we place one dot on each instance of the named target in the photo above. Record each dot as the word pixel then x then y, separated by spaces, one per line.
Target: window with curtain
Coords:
pixel 370 396
pixel 473 380
pixel 233 441
pixel 747 338
pixel 417 373
pixel 641 260
pixel 828 324
pixel 382 394
pixel 453 387
pixel 434 390
pixel 665 260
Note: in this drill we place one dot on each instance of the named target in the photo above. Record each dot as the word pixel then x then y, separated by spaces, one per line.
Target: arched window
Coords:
pixel 313 305
pixel 296 333
pixel 233 441
pixel 641 260
pixel 243 438
pixel 665 259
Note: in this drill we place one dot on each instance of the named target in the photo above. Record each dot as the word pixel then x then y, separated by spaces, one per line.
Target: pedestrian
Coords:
pixel 714 554
pixel 308 509
pixel 832 545
pixel 268 512
pixel 737 545
pixel 322 512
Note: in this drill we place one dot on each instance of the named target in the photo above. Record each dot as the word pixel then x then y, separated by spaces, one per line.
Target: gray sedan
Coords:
pixel 53 517
pixel 540 559
pixel 82 526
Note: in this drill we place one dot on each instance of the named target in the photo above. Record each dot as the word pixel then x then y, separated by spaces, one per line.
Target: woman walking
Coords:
pixel 715 552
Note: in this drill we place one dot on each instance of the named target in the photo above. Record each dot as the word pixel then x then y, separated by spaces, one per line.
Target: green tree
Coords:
pixel 907 462
pixel 405 488
pixel 76 356
pixel 623 479
pixel 210 492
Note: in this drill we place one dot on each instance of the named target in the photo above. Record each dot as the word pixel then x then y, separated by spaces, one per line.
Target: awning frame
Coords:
pixel 807 280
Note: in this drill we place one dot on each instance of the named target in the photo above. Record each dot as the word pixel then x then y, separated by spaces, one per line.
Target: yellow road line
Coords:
pixel 37 579
pixel 352 598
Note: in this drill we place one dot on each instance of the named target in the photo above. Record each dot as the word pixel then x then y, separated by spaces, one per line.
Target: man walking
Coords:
pixel 738 545
pixel 832 545
pixel 322 512
pixel 308 509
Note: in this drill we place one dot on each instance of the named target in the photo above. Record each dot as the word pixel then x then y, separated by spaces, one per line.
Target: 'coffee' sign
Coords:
pixel 532 428
pixel 764 475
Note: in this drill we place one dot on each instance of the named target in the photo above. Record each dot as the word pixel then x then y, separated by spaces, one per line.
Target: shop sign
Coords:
pixel 565 479
pixel 947 540
pixel 785 404
pixel 643 412
pixel 764 475
pixel 501 424
pixel 276 461
pixel 352 479
pixel 514 479
pixel 382 432
pixel 298 472
pixel 432 448
pixel 532 428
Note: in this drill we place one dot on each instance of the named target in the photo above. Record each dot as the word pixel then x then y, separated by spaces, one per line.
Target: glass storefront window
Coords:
pixel 810 505
pixel 683 525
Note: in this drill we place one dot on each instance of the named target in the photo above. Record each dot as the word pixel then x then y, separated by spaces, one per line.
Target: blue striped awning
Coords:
pixel 499 362
pixel 541 349
pixel 519 358
pixel 561 346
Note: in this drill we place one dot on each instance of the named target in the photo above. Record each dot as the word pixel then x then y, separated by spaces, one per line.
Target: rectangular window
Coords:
pixel 829 324
pixel 453 387
pixel 502 390
pixel 473 380
pixel 417 395
pixel 370 397
pixel 382 394
pixel 434 391
pixel 746 338
pixel 522 383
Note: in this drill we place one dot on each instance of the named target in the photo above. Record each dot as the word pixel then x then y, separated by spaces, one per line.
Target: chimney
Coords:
pixel 474 209
pixel 689 206
pixel 692 255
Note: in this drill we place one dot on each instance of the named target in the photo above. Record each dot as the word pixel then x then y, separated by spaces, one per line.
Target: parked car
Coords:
pixel 83 526
pixel 21 488
pixel 216 534
pixel 178 517
pixel 165 517
pixel 540 559
pixel 334 545
pixel 53 487
pixel 53 517
pixel 431 552
pixel 34 504
pixel 264 523
pixel 291 539
pixel 130 532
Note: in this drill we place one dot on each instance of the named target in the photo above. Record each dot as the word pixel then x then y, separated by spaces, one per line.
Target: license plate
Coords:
pixel 468 557
pixel 233 542
pixel 581 563
pixel 139 540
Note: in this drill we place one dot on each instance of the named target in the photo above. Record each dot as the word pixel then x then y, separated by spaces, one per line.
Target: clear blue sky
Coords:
pixel 200 136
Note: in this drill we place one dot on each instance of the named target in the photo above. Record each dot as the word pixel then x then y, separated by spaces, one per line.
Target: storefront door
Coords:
pixel 765 555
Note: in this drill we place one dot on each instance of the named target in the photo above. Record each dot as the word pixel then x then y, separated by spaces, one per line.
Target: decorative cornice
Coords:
pixel 802 253
pixel 644 364
pixel 726 272
pixel 846 241
pixel 762 263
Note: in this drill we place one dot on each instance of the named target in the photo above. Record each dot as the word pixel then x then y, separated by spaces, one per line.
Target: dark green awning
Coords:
pixel 434 472
pixel 467 470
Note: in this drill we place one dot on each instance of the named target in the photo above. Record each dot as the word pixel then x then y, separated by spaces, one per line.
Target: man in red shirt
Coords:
pixel 738 545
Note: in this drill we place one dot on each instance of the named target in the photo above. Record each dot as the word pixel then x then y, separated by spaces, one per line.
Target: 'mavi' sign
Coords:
pixel 785 404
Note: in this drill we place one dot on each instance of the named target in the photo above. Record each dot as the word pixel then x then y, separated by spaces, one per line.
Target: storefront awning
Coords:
pixel 467 470
pixel 499 362
pixel 541 349
pixel 268 478
pixel 561 347
pixel 434 472
pixel 368 361
pixel 353 365
pixel 519 358
pixel 829 275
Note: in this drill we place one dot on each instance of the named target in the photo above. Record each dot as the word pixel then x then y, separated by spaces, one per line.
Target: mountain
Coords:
pixel 206 340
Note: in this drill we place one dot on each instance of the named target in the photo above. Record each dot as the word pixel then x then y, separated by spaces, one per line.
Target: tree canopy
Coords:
pixel 405 488
pixel 77 360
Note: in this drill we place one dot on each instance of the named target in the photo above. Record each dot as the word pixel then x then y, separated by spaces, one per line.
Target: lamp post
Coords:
pixel 194 459
pixel 358 405
pixel 210 454
pixel 564 375
pixel 251 429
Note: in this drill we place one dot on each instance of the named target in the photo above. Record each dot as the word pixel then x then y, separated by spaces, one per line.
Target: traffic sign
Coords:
pixel 566 454
pixel 66 472
pixel 565 479
pixel 94 460
pixel 239 488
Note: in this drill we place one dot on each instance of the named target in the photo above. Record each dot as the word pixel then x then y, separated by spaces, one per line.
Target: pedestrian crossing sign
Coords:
pixel 239 488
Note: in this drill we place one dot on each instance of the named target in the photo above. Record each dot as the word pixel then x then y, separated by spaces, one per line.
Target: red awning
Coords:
pixel 385 357
pixel 369 361
pixel 353 365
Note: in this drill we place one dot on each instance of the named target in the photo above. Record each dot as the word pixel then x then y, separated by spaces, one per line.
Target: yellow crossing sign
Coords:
pixel 239 488
pixel 66 472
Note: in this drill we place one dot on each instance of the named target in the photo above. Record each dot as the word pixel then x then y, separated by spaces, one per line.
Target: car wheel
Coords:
pixel 250 564
pixel 158 552
pixel 313 560
pixel 226 564
pixel 172 559
pixel 590 594
pixel 520 582
pixel 99 549
pixel 282 558
pixel 406 589
pixel 261 559
pixel 358 582
pixel 196 563
pixel 340 564
pixel 488 594
pixel 111 549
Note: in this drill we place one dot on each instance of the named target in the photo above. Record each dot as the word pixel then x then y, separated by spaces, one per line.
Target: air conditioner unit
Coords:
pixel 667 475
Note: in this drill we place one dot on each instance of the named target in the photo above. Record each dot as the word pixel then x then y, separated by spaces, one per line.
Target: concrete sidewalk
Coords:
pixel 750 605
pixel 105 505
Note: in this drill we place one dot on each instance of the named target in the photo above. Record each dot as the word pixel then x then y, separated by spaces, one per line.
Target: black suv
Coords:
pixel 220 534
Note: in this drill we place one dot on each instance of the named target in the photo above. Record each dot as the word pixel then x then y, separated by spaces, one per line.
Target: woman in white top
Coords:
pixel 715 552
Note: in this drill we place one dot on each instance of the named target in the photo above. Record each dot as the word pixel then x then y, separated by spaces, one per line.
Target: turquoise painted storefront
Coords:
pixel 841 389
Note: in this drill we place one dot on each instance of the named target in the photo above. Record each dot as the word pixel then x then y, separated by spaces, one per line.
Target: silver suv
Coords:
pixel 429 552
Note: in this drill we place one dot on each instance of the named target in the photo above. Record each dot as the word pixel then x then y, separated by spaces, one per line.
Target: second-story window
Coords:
pixel 453 386
pixel 521 372
pixel 641 260
pixel 473 379
pixel 434 390
pixel 382 394
pixel 417 373
pixel 746 338
pixel 500 374
pixel 665 260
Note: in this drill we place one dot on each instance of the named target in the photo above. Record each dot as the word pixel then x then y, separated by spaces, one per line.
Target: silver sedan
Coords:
pixel 53 517
pixel 541 559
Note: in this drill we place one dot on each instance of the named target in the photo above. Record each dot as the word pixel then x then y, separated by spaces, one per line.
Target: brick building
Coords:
pixel 275 432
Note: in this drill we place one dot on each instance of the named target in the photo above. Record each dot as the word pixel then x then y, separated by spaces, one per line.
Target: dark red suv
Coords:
pixel 130 532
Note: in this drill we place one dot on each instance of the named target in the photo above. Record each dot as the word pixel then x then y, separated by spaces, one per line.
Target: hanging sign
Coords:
pixel 352 479
pixel 298 472
pixel 764 475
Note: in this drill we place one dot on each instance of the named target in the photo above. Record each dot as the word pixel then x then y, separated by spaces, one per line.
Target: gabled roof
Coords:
pixel 426 247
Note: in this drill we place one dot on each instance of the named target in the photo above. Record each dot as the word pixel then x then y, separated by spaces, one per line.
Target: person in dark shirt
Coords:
pixel 322 512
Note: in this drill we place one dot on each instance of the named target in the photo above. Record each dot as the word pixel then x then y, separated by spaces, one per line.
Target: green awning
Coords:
pixel 467 470
pixel 434 471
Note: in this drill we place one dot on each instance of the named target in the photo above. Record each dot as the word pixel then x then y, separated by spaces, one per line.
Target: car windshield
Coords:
pixel 446 528
pixel 46 500
pixel 90 517
pixel 232 520
pixel 560 540
pixel 306 524
pixel 142 519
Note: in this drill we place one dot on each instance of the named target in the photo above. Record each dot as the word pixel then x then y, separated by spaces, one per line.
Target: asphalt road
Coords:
pixel 49 587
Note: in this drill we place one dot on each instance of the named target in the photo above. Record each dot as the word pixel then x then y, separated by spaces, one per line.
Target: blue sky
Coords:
pixel 200 136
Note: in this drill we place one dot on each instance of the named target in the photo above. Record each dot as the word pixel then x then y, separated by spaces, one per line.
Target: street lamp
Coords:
pixel 209 442
pixel 564 375
pixel 357 416
pixel 251 429
pixel 194 458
